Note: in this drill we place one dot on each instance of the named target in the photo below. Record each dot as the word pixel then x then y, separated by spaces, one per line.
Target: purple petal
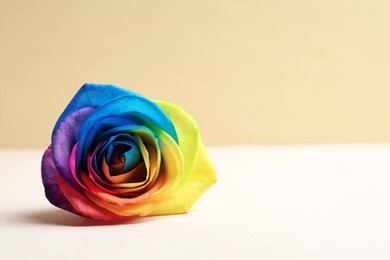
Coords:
pixel 63 141
pixel 52 190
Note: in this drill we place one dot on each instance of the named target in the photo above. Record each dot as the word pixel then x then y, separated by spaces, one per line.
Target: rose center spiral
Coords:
pixel 121 153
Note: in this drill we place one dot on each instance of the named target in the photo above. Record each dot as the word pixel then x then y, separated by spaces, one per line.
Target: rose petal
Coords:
pixel 137 175
pixel 109 198
pixel 89 137
pixel 52 190
pixel 137 108
pixel 84 206
pixel 201 178
pixel 199 173
pixel 92 95
pixel 63 141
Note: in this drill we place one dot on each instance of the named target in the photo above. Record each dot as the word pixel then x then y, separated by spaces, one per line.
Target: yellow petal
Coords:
pixel 199 173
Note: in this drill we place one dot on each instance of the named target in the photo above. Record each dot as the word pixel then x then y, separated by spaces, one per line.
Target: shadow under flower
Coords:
pixel 64 218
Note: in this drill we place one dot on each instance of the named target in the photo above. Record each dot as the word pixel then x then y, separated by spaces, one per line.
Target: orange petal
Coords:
pixel 112 199
pixel 137 175
pixel 84 205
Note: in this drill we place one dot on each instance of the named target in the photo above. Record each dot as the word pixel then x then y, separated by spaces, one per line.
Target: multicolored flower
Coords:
pixel 115 155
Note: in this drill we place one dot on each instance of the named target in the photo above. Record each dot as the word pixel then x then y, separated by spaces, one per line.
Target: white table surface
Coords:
pixel 270 202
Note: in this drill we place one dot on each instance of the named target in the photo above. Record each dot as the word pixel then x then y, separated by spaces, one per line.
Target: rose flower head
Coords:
pixel 115 155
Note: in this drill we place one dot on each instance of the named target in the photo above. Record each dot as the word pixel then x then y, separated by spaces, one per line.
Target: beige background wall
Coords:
pixel 251 72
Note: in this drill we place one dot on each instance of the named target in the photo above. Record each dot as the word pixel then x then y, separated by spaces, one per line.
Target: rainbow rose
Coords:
pixel 115 155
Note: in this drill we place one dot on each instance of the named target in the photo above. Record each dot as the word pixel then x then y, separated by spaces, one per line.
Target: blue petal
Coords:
pixel 132 154
pixel 100 130
pixel 126 110
pixel 91 134
pixel 138 109
pixel 93 95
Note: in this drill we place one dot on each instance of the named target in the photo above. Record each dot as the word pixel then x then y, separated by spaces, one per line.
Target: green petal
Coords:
pixel 198 174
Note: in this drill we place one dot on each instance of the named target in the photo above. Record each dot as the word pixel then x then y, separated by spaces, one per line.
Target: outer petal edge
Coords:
pixel 201 173
pixel 53 191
